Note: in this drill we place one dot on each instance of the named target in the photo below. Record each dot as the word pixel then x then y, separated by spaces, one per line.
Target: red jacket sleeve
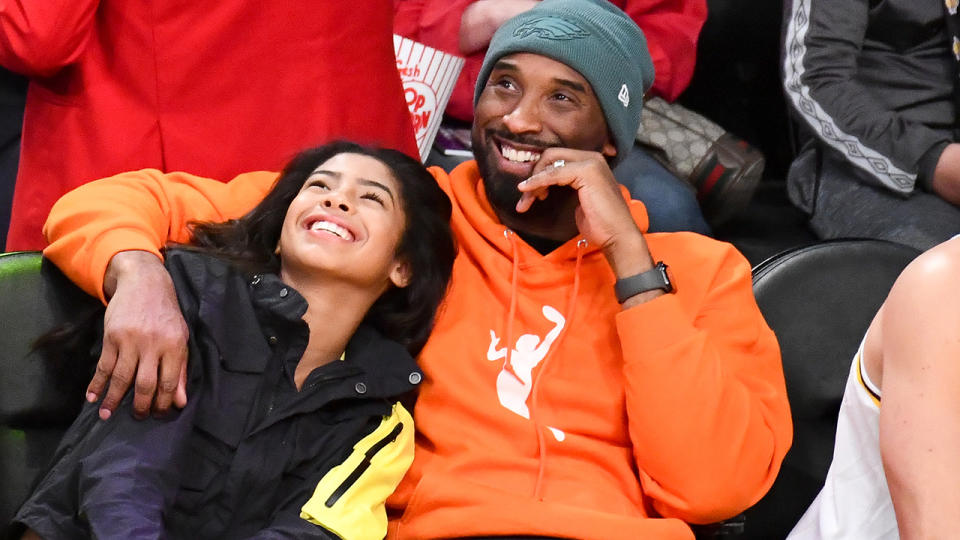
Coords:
pixel 38 37
pixel 672 28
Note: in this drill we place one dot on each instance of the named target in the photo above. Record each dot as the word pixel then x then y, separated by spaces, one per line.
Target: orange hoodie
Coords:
pixel 546 409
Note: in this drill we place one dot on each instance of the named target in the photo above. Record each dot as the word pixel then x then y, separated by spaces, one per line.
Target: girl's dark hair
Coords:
pixel 403 314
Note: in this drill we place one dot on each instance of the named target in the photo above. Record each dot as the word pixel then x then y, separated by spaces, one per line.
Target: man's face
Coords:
pixel 530 103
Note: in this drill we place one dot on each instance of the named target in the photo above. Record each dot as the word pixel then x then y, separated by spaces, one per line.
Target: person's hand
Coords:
pixel 946 176
pixel 145 338
pixel 482 18
pixel 603 217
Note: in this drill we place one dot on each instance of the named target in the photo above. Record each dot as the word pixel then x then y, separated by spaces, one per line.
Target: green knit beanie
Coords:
pixel 596 39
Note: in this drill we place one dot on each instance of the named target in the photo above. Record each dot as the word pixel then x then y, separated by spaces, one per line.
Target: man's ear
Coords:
pixel 609 150
pixel 400 274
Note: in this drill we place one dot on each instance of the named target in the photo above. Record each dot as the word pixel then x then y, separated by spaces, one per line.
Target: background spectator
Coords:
pixel 875 86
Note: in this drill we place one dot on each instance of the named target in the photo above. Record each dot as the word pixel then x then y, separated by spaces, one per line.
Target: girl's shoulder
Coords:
pixel 197 274
pixel 197 263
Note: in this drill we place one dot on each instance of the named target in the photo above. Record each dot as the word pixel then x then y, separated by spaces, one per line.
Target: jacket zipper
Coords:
pixel 363 465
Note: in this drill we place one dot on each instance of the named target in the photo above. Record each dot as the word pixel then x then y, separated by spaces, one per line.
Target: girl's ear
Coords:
pixel 400 274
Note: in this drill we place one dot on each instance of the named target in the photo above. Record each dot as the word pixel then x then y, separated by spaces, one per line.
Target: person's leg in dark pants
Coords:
pixel 671 202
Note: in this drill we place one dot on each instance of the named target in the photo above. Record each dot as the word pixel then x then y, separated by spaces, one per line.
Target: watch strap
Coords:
pixel 655 278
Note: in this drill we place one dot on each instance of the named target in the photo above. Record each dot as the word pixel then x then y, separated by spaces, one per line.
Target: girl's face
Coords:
pixel 346 222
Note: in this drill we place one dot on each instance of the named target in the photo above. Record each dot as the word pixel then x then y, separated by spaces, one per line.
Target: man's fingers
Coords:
pixel 557 158
pixel 168 384
pixel 145 387
pixel 180 398
pixel 105 365
pixel 120 380
pixel 144 322
pixel 550 176
pixel 537 187
pixel 525 202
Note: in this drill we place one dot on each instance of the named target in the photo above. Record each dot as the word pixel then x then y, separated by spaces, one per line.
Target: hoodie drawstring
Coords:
pixel 514 277
pixel 571 312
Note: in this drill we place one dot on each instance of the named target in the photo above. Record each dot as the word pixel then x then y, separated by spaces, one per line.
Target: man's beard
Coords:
pixel 502 193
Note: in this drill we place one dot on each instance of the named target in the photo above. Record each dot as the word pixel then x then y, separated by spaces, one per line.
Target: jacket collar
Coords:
pixel 384 366
pixel 388 368
pixel 375 372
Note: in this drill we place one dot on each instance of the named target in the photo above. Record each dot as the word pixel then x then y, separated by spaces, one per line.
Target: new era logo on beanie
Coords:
pixel 595 38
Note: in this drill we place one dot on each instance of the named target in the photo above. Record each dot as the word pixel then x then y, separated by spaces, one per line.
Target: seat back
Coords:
pixel 819 300
pixel 36 406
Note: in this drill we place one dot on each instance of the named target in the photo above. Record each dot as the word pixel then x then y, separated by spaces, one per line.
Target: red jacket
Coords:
pixel 216 88
pixel 670 26
pixel 545 408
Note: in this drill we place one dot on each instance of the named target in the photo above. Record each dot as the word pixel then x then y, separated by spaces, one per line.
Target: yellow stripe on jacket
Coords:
pixel 349 500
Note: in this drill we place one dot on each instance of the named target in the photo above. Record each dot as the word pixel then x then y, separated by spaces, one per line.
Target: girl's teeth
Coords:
pixel 331 228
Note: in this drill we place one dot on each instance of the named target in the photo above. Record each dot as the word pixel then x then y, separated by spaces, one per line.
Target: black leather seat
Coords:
pixel 37 403
pixel 819 300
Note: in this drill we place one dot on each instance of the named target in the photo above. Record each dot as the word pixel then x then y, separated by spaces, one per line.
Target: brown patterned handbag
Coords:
pixel 723 168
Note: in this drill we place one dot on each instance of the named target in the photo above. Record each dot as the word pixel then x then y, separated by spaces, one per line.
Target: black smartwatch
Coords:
pixel 655 278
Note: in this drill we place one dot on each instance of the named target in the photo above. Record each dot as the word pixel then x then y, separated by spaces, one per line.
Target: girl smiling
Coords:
pixel 303 317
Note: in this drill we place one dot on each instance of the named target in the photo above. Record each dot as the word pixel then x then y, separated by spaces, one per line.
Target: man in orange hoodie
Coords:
pixel 574 385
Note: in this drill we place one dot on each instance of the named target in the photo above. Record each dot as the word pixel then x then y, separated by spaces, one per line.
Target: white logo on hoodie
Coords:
pixel 513 387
